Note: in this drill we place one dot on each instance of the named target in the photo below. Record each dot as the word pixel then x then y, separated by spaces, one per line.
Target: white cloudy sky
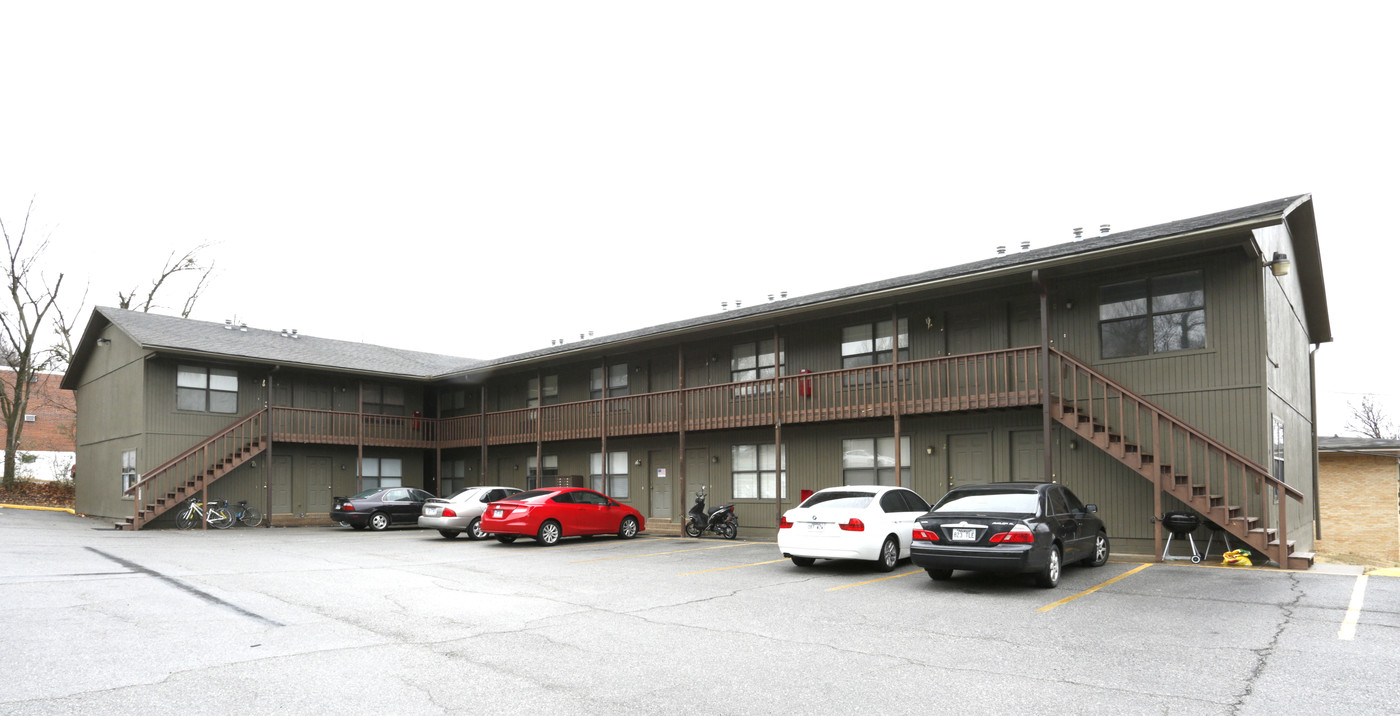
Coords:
pixel 479 178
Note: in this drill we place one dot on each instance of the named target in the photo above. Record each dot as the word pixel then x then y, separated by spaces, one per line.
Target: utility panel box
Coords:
pixel 563 481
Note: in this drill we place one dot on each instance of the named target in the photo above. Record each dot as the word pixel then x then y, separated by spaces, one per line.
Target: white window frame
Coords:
pixel 129 475
pixel 866 459
pixel 617 482
pixel 378 472
pixel 551 469
pixel 191 380
pixel 754 474
pixel 551 392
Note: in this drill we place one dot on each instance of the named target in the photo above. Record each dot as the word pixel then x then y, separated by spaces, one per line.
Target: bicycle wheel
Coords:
pixel 251 517
pixel 187 518
pixel 220 517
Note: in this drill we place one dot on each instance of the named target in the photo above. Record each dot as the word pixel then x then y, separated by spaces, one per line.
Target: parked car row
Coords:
pixel 547 515
pixel 1005 527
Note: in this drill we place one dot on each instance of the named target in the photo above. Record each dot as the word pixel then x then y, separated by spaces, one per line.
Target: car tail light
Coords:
pixel 925 536
pixel 855 525
pixel 783 523
pixel 347 507
pixel 448 512
pixel 1020 534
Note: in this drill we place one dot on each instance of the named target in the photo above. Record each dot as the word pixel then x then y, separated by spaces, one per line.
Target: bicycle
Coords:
pixel 247 514
pixel 195 512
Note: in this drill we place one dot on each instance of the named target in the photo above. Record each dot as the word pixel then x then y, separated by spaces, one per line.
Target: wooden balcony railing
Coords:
pixel 978 381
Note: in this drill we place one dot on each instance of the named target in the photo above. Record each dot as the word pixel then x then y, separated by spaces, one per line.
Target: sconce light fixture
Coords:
pixel 1280 265
pixel 1069 305
pixel 342 467
pixel 714 459
pixel 1073 444
pixel 638 463
pixel 515 467
pixel 928 450
pixel 252 463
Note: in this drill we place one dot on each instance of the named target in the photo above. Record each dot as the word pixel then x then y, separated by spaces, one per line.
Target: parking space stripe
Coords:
pixel 732 566
pixel 1091 590
pixel 872 581
pixel 1358 595
pixel 657 554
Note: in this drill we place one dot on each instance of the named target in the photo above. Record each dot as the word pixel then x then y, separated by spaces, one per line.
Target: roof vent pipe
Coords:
pixel 738 303
pixel 724 305
pixel 295 334
pixel 228 324
pixel 243 327
pixel 1078 233
pixel 1001 250
pixel 783 294
pixel 285 334
pixel 1103 229
pixel 1025 246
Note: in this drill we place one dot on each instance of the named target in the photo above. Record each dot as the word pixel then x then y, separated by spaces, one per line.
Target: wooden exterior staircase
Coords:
pixel 1228 489
pixel 193 470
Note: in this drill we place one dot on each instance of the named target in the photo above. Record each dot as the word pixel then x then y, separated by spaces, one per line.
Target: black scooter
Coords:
pixel 721 521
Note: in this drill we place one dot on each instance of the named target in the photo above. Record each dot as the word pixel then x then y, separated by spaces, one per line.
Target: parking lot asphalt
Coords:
pixel 321 620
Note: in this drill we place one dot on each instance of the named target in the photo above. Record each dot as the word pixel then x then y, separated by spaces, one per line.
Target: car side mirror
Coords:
pixel 1091 508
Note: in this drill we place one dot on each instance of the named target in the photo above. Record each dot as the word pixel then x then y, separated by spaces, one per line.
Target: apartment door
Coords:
pixel 281 487
pixel 318 484
pixel 659 462
pixel 969 459
pixel 697 474
pixel 1028 455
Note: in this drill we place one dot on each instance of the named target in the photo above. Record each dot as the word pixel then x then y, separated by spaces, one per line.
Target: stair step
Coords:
pixel 1300 560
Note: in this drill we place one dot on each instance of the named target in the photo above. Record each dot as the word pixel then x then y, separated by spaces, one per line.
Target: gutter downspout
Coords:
pixel 1316 461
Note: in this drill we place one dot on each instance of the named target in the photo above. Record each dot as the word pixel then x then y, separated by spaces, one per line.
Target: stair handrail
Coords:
pixel 1246 462
pixel 159 469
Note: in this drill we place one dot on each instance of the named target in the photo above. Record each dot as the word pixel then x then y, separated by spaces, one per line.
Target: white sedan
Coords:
pixel 867 522
pixel 461 512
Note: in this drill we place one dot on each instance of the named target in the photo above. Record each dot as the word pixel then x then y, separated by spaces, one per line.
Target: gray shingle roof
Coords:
pixel 1350 444
pixel 154 331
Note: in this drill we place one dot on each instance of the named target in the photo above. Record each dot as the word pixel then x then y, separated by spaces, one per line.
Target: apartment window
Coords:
pixel 453 478
pixel 379 399
pixel 1156 315
pixel 452 403
pixel 755 474
pixel 870 461
pixel 1278 454
pixel 551 469
pixel 755 361
pixel 873 343
pixel 615 478
pixel 129 476
pixel 381 472
pixel 551 392
pixel 206 390
pixel 616 381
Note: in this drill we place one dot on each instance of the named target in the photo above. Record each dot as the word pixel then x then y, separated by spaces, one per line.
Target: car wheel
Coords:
pixel 505 539
pixel 938 575
pixel 379 521
pixel 889 554
pixel 549 533
pixel 628 530
pixel 358 527
pixel 803 561
pixel 1049 577
pixel 692 529
pixel 1100 551
pixel 449 534
pixel 474 530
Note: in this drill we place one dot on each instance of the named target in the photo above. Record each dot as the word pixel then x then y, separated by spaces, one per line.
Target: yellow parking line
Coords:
pixel 1358 595
pixel 1383 572
pixel 1091 590
pixel 655 554
pixel 872 581
pixel 732 566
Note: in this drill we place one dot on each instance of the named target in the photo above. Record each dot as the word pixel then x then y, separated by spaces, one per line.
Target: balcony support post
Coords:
pixel 360 437
pixel 1049 473
pixel 481 475
pixel 777 436
pixel 604 469
pixel 680 423
pixel 898 396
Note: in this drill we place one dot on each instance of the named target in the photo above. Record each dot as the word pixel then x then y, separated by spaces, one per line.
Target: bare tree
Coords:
pixel 1369 420
pixel 21 320
pixel 189 262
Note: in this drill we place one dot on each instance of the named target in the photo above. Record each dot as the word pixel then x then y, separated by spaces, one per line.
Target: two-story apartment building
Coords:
pixel 1161 368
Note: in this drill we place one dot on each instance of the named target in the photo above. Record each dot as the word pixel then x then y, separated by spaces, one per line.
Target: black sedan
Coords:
pixel 1009 527
pixel 380 507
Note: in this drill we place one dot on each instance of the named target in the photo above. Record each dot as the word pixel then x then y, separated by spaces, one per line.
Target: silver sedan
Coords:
pixel 461 512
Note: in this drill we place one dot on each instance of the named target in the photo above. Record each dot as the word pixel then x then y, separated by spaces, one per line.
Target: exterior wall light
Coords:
pixel 1280 265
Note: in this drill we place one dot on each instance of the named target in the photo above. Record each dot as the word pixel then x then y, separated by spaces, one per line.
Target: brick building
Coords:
pixel 47 444
pixel 1359 499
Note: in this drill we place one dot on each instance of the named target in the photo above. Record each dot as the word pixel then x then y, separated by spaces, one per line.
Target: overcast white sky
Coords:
pixel 480 178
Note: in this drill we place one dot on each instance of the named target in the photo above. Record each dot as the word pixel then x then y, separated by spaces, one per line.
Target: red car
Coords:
pixel 556 512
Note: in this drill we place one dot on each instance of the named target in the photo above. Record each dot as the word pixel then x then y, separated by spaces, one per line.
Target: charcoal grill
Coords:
pixel 1181 524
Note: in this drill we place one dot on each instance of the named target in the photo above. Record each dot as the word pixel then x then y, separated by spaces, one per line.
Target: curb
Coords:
pixel 69 510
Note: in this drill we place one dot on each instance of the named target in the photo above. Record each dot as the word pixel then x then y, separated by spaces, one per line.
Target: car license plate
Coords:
pixel 814 527
pixel 498 513
pixel 964 535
